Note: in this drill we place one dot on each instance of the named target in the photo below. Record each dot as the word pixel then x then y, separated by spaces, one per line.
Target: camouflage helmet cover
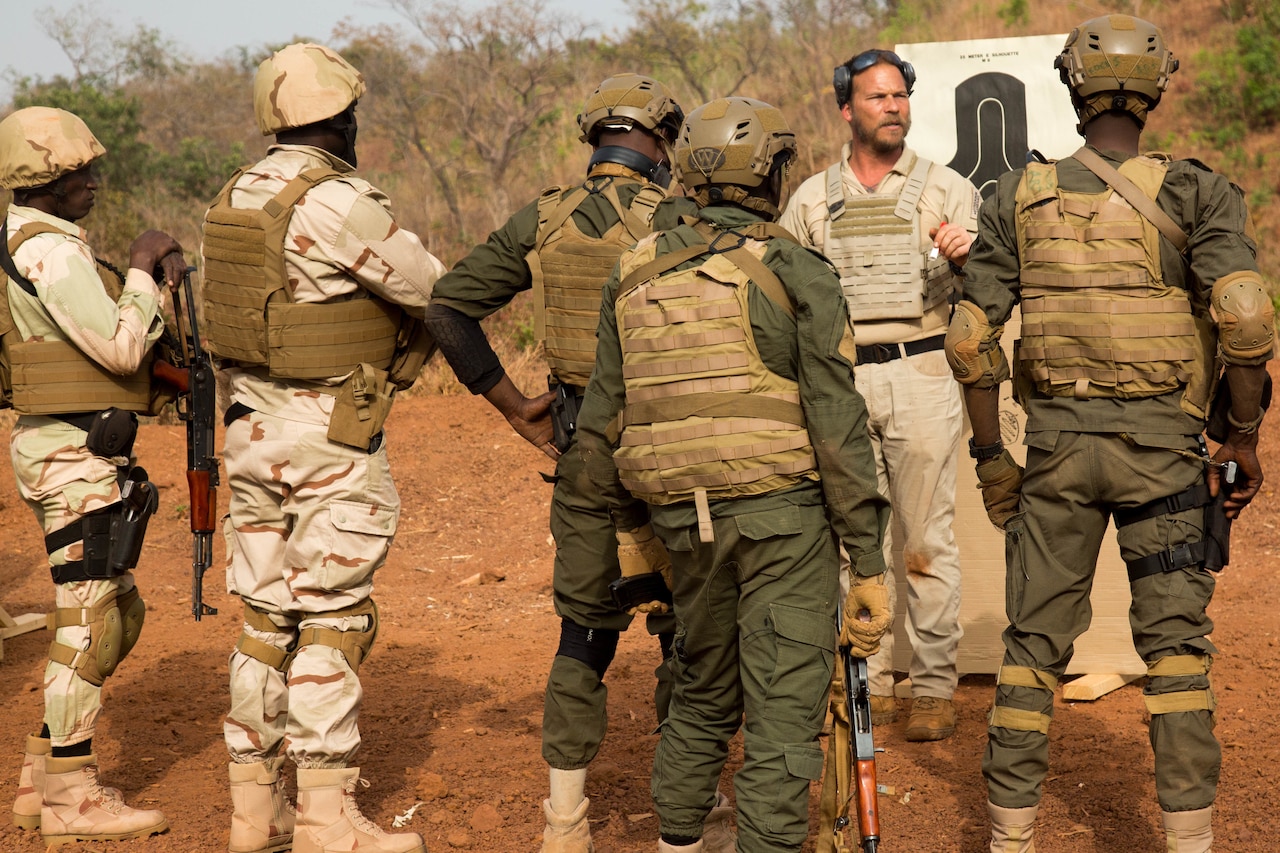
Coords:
pixel 626 100
pixel 41 144
pixel 1116 55
pixel 303 84
pixel 732 141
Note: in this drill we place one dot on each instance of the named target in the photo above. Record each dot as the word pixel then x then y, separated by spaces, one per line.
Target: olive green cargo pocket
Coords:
pixel 766 525
pixel 1015 575
pixel 359 537
pixel 803 760
pixel 804 653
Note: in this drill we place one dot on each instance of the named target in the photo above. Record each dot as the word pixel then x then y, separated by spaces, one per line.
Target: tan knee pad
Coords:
pixel 111 635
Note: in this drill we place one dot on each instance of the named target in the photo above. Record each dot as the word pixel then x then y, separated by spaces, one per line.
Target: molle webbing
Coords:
pixel 55 377
pixel 875 242
pixel 569 268
pixel 1097 317
pixel 705 417
pixel 250 315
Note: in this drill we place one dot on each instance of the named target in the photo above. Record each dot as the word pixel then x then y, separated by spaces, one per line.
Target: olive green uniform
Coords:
pixel 755 607
pixel 1088 459
pixel 487 279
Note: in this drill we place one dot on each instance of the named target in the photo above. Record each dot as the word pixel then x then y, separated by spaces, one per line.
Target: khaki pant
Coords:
pixel 574 720
pixel 62 481
pixel 914 421
pixel 755 646
pixel 309 523
pixel 1073 482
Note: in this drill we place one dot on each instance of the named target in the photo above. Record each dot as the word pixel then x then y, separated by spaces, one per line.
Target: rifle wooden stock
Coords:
pixel 167 373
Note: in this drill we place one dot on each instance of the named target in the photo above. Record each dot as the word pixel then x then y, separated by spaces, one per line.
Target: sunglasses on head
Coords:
pixel 842 80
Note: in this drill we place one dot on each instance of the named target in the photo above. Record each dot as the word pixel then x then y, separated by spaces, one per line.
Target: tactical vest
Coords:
pixel 569 268
pixel 874 241
pixel 704 416
pixel 1098 319
pixel 55 377
pixel 249 313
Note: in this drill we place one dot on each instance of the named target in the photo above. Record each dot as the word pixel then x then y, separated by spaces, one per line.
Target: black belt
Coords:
pixel 880 353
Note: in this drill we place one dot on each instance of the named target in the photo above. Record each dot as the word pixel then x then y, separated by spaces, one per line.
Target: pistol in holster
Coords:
pixel 1217 527
pixel 564 413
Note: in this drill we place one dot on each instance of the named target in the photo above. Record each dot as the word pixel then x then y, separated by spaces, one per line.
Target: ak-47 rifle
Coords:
pixel 196 404
pixel 857 686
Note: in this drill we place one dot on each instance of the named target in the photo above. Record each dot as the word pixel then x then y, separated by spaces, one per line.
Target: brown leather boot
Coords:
pixel 77 807
pixel 26 807
pixel 262 817
pixel 1189 832
pixel 718 834
pixel 1012 830
pixel 931 719
pixel 884 710
pixel 330 821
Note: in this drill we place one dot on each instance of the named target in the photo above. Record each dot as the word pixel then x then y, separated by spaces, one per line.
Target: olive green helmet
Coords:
pixel 303 84
pixel 735 141
pixel 41 144
pixel 624 101
pixel 1109 59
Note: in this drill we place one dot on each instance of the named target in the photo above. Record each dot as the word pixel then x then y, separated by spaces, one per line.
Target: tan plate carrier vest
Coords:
pixel 569 268
pixel 874 241
pixel 704 416
pixel 249 313
pixel 55 377
pixel 1098 319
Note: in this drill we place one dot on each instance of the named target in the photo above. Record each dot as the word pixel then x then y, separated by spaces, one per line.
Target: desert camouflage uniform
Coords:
pixel 56 474
pixel 310 520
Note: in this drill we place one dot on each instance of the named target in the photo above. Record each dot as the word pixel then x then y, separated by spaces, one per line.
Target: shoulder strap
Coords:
pixel 1129 191
pixel 909 198
pixel 11 244
pixel 835 191
pixel 296 189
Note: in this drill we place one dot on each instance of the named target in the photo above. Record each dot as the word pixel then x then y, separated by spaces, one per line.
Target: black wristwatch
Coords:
pixel 983 452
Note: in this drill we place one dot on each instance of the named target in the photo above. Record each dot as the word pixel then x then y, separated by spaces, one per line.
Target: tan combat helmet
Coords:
pixel 624 101
pixel 303 84
pixel 1108 60
pixel 38 145
pixel 732 142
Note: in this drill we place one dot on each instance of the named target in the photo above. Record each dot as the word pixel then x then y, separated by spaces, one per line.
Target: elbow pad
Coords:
pixel 973 348
pixel 1246 318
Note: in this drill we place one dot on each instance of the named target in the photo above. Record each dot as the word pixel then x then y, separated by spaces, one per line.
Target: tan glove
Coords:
pixel 866 616
pixel 640 552
pixel 1001 482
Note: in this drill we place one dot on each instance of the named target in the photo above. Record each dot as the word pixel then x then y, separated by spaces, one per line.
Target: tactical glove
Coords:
pixel 1001 482
pixel 866 616
pixel 641 553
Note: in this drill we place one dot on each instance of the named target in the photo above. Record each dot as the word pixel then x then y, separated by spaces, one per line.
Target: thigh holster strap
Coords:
pixel 1025 676
pixel 1190 498
pixel 1186 556
pixel 1017 719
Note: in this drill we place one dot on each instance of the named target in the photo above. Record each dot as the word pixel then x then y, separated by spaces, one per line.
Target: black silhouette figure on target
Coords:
pixel 991 128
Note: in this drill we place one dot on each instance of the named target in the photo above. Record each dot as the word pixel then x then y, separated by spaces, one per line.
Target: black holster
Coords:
pixel 564 414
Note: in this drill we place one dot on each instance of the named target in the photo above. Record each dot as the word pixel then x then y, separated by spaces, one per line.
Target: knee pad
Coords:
pixel 133 611
pixel 593 646
pixel 1177 701
pixel 353 642
pixel 107 636
pixel 250 646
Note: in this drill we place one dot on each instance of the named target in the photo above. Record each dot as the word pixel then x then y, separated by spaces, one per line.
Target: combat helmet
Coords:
pixel 1109 60
pixel 730 146
pixel 38 145
pixel 303 84
pixel 624 101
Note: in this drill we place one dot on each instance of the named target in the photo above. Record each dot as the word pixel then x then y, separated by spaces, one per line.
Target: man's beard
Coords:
pixel 871 139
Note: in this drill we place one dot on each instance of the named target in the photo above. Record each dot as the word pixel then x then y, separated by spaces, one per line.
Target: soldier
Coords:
pixel 563 245
pixel 77 344
pixel 1122 264
pixel 877 214
pixel 722 414
pixel 313 299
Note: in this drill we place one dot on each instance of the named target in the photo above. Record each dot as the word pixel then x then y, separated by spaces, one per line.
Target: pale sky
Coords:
pixel 206 29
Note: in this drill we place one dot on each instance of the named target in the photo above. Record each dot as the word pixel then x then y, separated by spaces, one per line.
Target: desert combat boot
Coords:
pixel 1189 832
pixel 77 807
pixel 931 719
pixel 1012 830
pixel 262 817
pixel 330 821
pixel 26 806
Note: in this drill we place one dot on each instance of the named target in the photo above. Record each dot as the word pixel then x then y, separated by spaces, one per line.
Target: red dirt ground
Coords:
pixel 453 702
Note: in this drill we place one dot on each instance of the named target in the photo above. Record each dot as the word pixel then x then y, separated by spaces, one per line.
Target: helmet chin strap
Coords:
pixel 657 172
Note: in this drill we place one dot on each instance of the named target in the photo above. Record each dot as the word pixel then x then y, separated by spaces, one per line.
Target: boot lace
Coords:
pixel 107 799
pixel 361 822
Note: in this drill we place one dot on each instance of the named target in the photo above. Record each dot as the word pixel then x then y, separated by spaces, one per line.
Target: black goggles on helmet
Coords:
pixel 842 80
